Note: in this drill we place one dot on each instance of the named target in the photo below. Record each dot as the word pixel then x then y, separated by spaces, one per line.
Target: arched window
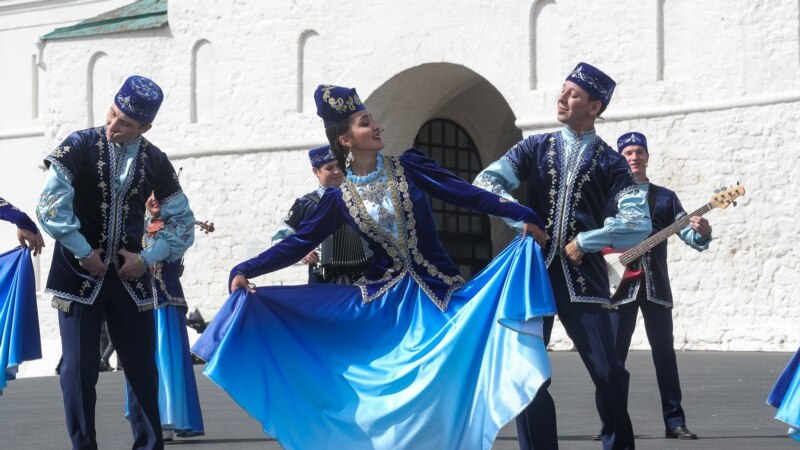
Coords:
pixel 466 235
pixel 201 82
pixel 97 106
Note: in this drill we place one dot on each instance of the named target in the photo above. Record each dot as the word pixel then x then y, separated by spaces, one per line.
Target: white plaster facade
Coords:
pixel 712 84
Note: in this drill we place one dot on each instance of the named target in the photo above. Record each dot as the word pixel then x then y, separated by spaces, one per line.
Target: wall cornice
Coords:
pixel 545 122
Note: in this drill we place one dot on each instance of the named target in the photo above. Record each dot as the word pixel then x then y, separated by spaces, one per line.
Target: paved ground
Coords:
pixel 723 396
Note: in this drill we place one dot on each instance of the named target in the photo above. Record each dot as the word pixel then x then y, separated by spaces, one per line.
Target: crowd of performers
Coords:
pixel 387 346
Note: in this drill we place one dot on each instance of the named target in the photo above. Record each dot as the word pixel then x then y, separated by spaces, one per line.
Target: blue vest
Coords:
pixel 665 209
pixel 570 206
pixel 108 221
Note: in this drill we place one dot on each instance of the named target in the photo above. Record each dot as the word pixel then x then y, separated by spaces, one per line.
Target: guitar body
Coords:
pixel 620 277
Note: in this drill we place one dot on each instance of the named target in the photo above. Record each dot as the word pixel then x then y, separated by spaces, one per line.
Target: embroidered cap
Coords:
pixel 139 98
pixel 320 156
pixel 632 138
pixel 335 103
pixel 599 85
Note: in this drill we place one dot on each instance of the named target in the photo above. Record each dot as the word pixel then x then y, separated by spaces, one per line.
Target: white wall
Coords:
pixel 712 84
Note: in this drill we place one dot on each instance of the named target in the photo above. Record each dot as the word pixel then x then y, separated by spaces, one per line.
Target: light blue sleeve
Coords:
pixel 283 232
pixel 629 227
pixel 56 215
pixel 499 178
pixel 694 239
pixel 178 233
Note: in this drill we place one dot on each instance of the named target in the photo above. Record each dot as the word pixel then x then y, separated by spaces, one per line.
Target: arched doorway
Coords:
pixel 465 234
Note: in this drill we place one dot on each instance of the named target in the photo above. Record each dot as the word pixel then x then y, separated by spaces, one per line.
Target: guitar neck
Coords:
pixel 636 252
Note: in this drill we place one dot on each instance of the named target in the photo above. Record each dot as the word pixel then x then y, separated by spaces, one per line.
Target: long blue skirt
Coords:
pixel 19 316
pixel 318 368
pixel 785 396
pixel 178 402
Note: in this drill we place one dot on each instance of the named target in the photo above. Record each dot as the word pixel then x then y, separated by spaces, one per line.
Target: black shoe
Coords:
pixel 104 366
pixel 196 322
pixel 680 432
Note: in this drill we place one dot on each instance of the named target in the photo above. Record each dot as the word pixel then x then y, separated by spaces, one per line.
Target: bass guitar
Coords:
pixel 620 271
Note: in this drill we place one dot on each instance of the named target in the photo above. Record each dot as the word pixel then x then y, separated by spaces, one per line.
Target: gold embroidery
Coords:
pixel 340 104
pixel 403 250
pixel 59 152
pixel 46 209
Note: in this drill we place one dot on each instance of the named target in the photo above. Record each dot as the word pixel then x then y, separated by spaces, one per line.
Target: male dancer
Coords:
pixel 571 176
pixel 93 204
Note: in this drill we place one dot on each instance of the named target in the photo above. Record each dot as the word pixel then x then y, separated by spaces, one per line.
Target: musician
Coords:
pixel 328 173
pixel 571 176
pixel 93 204
pixel 27 233
pixel 178 402
pixel 652 293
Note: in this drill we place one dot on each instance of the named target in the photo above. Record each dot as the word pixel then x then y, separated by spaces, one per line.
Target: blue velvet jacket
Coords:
pixel 574 205
pixel 10 213
pixel 416 252
pixel 107 221
pixel 666 209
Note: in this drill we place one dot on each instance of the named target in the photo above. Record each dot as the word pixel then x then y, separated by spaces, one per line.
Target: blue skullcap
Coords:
pixel 336 103
pixel 139 98
pixel 320 156
pixel 632 138
pixel 599 85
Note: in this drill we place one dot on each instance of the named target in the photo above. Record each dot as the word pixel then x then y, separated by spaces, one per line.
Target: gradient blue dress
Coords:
pixel 411 356
pixel 178 401
pixel 19 316
pixel 785 396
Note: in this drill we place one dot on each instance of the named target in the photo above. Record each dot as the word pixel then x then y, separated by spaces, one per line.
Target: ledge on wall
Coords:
pixel 140 15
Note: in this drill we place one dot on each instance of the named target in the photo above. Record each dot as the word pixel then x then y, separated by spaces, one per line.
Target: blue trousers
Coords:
pixel 133 334
pixel 590 326
pixel 658 326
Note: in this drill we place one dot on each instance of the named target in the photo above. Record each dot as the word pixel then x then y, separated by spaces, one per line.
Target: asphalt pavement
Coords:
pixel 723 392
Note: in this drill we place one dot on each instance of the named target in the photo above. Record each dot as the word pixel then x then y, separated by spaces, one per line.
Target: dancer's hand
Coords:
pixel 537 233
pixel 94 265
pixel 574 254
pixel 30 240
pixel 133 266
pixel 240 282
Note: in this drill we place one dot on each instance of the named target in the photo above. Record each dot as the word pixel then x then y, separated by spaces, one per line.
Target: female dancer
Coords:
pixel 410 357
pixel 178 402
pixel 785 396
pixel 19 317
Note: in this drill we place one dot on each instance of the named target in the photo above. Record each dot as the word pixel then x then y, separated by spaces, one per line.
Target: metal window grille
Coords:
pixel 465 234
